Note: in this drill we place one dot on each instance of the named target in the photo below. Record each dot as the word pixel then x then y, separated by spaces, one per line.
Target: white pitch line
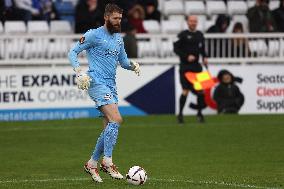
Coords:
pixel 42 180
pixel 216 183
pixel 238 185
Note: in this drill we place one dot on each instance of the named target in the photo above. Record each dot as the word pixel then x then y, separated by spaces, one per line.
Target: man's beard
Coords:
pixel 113 28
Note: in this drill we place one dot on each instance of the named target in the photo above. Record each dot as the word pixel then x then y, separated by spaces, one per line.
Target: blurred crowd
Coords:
pixel 89 14
pixel 27 10
pixel 260 18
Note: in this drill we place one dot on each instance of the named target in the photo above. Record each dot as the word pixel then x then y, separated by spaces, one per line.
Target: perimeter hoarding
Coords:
pixel 262 86
pixel 51 93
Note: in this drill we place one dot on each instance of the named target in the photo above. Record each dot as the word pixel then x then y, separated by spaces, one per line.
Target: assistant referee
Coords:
pixel 189 46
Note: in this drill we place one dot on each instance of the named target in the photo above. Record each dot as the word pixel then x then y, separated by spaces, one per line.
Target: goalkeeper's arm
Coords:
pixel 84 43
pixel 126 63
pixel 131 65
pixel 82 79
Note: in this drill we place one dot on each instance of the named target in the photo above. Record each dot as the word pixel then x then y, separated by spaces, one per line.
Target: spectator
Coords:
pixel 87 16
pixel 28 10
pixel 6 9
pixel 130 42
pixel 151 10
pixel 260 17
pixel 31 8
pixel 15 10
pixel 278 15
pixel 49 11
pixel 227 94
pixel 221 25
pixel 239 46
pixel 144 3
pixel 136 16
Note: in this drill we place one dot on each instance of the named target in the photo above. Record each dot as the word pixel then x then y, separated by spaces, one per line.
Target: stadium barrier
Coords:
pixel 152 48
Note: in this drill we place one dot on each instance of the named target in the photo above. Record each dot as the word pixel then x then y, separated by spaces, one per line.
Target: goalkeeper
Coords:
pixel 105 50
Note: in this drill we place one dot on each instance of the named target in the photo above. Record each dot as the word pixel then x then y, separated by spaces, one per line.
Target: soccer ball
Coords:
pixel 136 175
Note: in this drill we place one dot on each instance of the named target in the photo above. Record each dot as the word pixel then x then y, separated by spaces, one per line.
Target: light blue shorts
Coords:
pixel 103 94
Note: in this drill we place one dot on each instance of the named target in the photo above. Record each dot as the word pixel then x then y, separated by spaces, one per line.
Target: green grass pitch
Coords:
pixel 226 152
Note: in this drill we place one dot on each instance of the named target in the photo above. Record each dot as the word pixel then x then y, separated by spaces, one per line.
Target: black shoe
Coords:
pixel 200 118
pixel 193 106
pixel 197 107
pixel 180 119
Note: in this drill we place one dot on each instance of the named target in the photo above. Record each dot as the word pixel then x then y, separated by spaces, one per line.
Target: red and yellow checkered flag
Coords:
pixel 201 81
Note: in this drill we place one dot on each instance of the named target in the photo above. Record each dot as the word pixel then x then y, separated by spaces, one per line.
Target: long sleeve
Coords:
pixel 239 97
pixel 217 95
pixel 178 48
pixel 85 42
pixel 122 58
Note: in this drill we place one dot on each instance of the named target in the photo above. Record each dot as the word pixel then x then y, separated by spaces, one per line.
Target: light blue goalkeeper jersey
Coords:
pixel 104 53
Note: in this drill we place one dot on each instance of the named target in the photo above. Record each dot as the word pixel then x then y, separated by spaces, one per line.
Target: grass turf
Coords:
pixel 225 152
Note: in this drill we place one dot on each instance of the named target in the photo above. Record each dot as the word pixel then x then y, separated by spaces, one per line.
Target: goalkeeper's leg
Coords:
pixel 110 136
pixel 92 165
pixel 99 149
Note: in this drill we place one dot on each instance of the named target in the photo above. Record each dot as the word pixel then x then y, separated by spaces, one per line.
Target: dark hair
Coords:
pixel 111 8
pixel 234 78
pixel 223 18
pixel 238 26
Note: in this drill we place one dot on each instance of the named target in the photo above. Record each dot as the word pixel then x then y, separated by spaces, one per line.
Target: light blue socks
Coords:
pixel 99 149
pixel 110 137
pixel 106 141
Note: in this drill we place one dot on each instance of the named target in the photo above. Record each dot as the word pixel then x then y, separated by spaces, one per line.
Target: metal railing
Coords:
pixel 152 49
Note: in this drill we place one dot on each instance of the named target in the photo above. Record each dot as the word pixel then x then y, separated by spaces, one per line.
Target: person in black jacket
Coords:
pixel 9 11
pixel 152 12
pixel 260 17
pixel 227 94
pixel 130 42
pixel 278 15
pixel 3 9
pixel 88 16
pixel 189 46
pixel 221 24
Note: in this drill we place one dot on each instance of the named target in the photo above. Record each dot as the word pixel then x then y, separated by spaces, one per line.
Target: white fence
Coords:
pixel 152 49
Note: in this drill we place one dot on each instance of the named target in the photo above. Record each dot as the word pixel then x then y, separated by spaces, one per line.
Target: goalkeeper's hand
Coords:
pixel 135 67
pixel 82 79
